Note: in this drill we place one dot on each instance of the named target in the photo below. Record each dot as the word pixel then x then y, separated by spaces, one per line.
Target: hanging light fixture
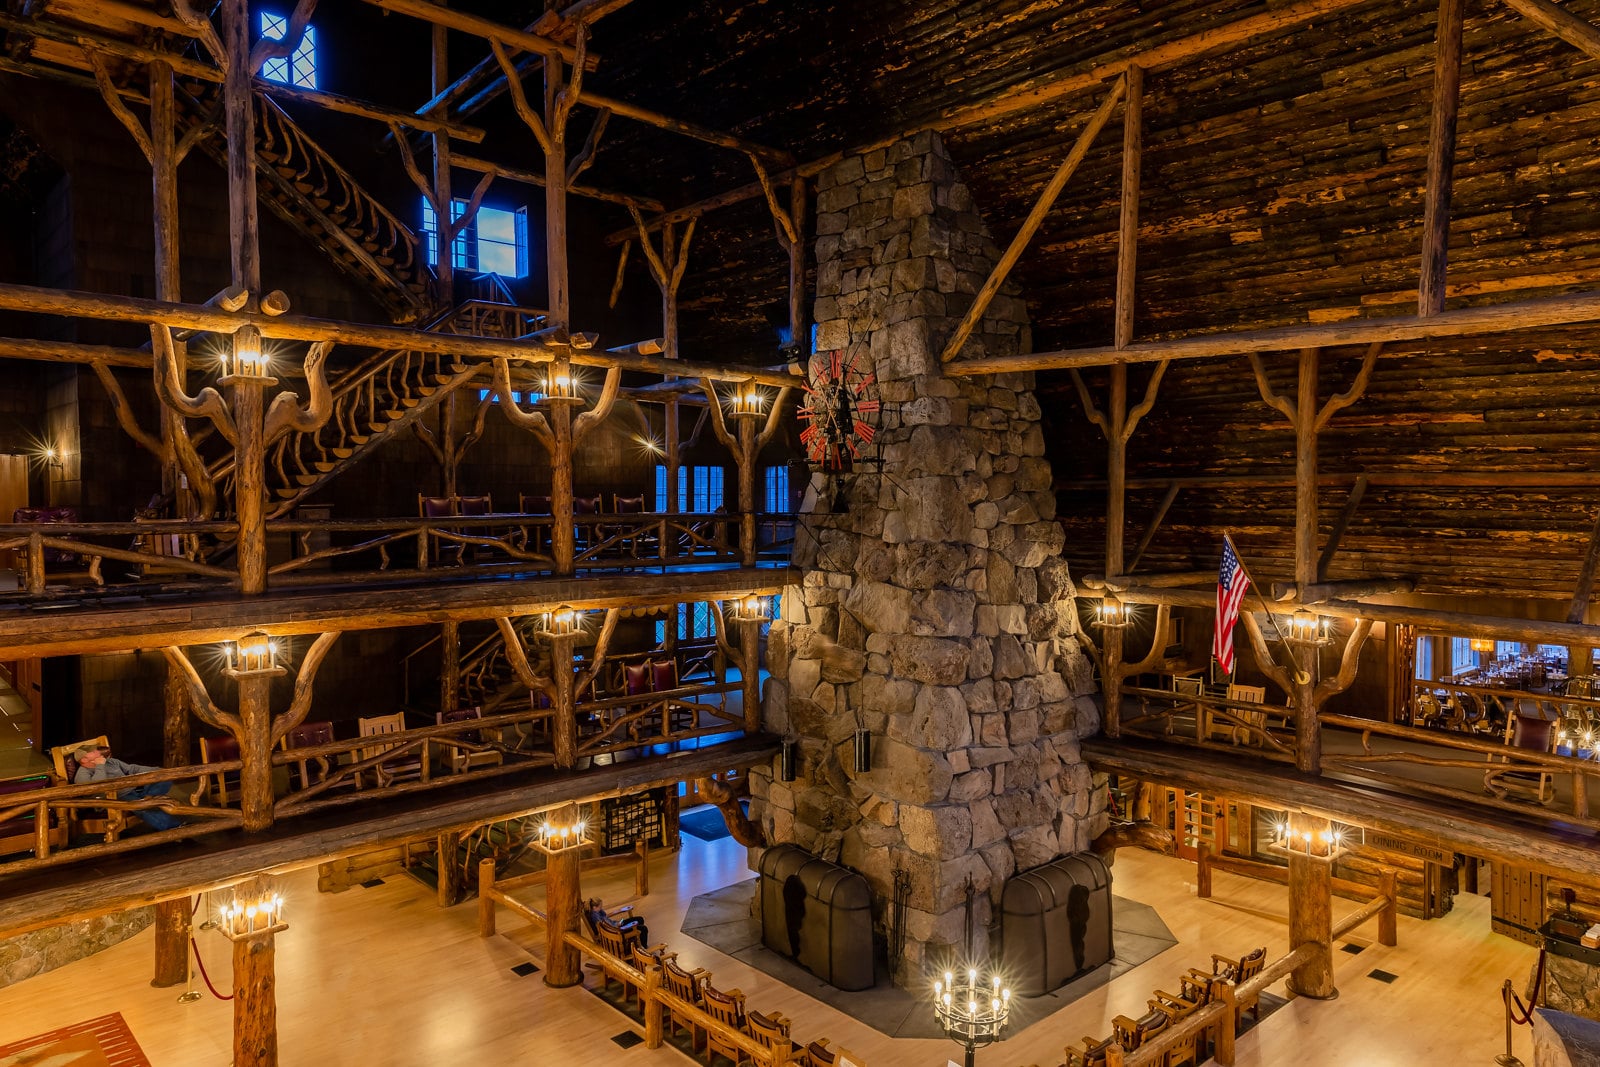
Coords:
pixel 255 653
pixel 1308 629
pixel 863 750
pixel 563 621
pixel 251 914
pixel 972 1013
pixel 1481 644
pixel 788 759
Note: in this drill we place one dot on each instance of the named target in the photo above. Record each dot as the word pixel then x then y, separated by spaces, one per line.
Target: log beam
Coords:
pixel 78 304
pixel 1483 321
pixel 1577 32
pixel 1441 160
pixel 488 29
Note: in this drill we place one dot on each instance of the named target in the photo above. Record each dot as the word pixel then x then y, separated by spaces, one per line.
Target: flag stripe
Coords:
pixel 1232 583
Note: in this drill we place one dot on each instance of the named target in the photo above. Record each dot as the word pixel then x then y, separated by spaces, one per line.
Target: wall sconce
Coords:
pixel 253 654
pixel 750 609
pixel 563 621
pixel 52 457
pixel 1308 629
pixel 1328 845
pixel 246 360
pixel 251 916
pixel 1113 613
pixel 788 759
pixel 557 836
pixel 863 751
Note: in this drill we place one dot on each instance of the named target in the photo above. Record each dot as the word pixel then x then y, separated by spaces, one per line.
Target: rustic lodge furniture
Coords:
pixel 109 823
pixel 309 770
pixel 1239 971
pixel 64 564
pixel 213 785
pixel 19 831
pixel 769 1031
pixel 687 987
pixel 1532 734
pixel 478 748
pixel 413 765
pixel 727 1009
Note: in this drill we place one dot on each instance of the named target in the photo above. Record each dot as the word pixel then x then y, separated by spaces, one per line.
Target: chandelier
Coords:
pixel 972 1014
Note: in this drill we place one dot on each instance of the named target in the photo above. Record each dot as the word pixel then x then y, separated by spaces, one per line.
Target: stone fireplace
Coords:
pixel 935 609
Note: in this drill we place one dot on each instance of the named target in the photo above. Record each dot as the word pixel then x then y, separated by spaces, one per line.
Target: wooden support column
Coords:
pixel 485 899
pixel 1311 912
pixel 750 670
pixel 558 281
pixel 172 941
pixel 449 665
pixel 255 746
pixel 255 1001
pixel 674 504
pixel 244 228
pixel 449 887
pixel 444 269
pixel 1305 472
pixel 250 471
pixel 565 725
pixel 1441 160
pixel 746 445
pixel 563 898
pixel 563 538
pixel 1128 225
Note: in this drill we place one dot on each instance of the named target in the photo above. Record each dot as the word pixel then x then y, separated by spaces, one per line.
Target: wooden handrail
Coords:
pixel 1467 744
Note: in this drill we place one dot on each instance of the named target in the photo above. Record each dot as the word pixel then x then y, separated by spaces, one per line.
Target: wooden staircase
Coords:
pixel 373 403
pixel 303 185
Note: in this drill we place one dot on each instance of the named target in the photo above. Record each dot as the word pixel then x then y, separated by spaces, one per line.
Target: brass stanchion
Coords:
pixel 1508 1058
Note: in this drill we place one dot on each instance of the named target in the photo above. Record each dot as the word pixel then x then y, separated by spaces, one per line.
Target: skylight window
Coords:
pixel 494 242
pixel 297 69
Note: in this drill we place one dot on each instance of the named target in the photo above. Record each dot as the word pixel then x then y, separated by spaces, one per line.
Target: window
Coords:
pixel 705 489
pixel 698 487
pixel 494 242
pixel 297 69
pixel 1425 657
pixel 1507 649
pixel 693 620
pixel 517 395
pixel 777 497
pixel 1461 655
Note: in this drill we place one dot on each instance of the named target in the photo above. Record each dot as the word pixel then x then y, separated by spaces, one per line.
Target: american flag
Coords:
pixel 1232 582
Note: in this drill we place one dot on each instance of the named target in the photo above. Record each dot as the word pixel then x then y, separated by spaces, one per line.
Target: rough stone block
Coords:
pixel 934 660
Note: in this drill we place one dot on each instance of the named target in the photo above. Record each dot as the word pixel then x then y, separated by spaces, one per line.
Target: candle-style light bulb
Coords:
pixel 938 987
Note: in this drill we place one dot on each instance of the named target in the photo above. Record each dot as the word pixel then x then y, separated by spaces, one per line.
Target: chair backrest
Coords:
pixel 768 1032
pixel 475 505
pixel 724 1007
pixel 636 678
pixel 586 505
pixel 1248 694
pixel 663 675
pixel 378 725
pixel 627 505
pixel 219 749
pixel 1531 732
pixel 1191 685
pixel 1251 965
pixel 64 758
pixel 819 1055
pixel 436 507
pixel 529 504
pixel 1151 1025
pixel 615 940
pixel 458 715
pixel 680 983
pixel 308 734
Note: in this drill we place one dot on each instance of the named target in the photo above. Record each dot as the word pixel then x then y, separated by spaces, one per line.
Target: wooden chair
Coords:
pixel 1248 694
pixel 768 1031
pixel 1240 971
pixel 529 504
pixel 686 986
pixel 19 833
pixel 1193 687
pixel 633 536
pixel 213 785
pixel 1192 1050
pixel 727 1009
pixel 646 960
pixel 107 822
pixel 818 1054
pixel 1533 734
pixel 59 563
pixel 1132 1033
pixel 400 768
pixel 309 770
pixel 619 943
pixel 440 507
pixel 461 758
pixel 163 543
pixel 1093 1053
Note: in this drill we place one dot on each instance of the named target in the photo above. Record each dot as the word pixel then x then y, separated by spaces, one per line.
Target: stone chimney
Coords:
pixel 935 610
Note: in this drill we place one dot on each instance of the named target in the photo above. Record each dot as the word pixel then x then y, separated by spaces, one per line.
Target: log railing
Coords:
pixel 1474 708
pixel 1386 905
pixel 1165 714
pixel 57 805
pixel 374 550
pixel 645 719
pixel 1492 758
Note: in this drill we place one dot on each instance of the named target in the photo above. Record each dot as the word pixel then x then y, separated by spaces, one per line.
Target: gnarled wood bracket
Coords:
pixel 726 800
pixel 299 705
pixel 1133 835
pixel 667 267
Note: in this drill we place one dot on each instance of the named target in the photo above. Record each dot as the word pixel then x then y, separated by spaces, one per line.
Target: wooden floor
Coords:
pixel 380 977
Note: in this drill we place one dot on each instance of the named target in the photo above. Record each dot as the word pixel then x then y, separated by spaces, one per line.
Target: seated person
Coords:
pixel 623 920
pixel 96 765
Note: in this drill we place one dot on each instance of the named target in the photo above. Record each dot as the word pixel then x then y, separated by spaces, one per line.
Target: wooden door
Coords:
pixel 1517 902
pixel 13 495
pixel 1194 818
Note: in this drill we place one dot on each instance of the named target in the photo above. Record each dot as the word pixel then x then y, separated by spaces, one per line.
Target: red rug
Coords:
pixel 102 1042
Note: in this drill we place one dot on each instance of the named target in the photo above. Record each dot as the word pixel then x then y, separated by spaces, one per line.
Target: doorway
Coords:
pixel 13 495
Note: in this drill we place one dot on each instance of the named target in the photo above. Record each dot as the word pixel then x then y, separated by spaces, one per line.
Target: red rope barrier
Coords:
pixel 203 973
pixel 1526 1010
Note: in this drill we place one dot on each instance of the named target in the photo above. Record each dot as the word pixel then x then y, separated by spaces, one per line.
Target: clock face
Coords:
pixel 840 410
